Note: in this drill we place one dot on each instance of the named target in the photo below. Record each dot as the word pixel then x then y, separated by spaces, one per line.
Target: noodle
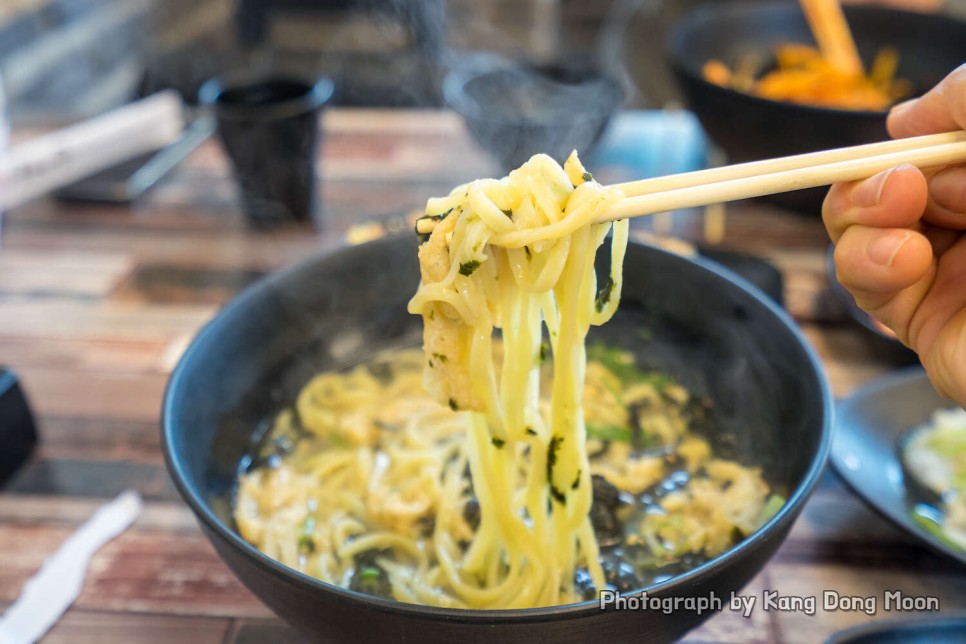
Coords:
pixel 390 510
pixel 489 493
pixel 548 211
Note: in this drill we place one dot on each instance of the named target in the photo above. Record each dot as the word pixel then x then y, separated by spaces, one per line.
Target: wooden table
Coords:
pixel 97 303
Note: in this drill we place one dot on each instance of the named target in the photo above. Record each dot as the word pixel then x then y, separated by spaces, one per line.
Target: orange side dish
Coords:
pixel 829 76
pixel 803 76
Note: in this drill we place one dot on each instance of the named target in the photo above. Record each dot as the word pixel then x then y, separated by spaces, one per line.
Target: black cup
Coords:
pixel 18 434
pixel 270 128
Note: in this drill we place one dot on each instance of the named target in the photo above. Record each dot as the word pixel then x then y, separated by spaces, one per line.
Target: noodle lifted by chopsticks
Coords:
pixel 518 254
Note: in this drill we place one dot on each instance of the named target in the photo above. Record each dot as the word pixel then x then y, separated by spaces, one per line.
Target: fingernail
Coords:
pixel 900 108
pixel 869 192
pixel 883 249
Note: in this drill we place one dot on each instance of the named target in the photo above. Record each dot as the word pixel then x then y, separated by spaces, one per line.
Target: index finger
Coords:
pixel 941 109
pixel 894 198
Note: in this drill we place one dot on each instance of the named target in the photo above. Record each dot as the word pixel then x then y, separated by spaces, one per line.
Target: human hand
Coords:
pixel 900 241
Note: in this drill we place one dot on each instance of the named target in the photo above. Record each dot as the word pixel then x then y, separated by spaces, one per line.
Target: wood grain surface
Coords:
pixel 97 303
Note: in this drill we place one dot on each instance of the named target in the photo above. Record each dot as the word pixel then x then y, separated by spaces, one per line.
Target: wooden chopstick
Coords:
pixel 761 178
pixel 832 34
pixel 769 166
pixel 773 176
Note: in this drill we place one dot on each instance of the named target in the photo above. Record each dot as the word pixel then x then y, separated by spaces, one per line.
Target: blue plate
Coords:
pixel 867 426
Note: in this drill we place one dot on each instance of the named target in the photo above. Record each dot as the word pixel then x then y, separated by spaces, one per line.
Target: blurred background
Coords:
pixel 74 58
pixel 103 286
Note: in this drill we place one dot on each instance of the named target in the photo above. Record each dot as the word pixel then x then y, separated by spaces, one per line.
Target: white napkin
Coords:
pixel 63 156
pixel 50 592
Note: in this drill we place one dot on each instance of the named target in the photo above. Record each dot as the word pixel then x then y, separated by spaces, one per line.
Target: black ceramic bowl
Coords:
pixel 691 319
pixel 516 110
pixel 749 128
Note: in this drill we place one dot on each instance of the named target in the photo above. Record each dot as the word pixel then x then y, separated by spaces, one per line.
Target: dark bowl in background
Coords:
pixel 516 110
pixel 748 128
pixel 692 319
